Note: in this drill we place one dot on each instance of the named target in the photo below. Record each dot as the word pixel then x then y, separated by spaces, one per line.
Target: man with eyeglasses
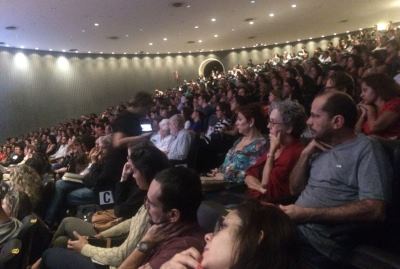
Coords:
pixel 171 212
pixel 342 179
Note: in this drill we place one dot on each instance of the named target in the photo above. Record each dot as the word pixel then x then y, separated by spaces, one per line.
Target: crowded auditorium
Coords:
pixel 188 134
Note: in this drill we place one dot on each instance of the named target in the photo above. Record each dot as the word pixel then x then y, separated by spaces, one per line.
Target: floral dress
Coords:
pixel 237 161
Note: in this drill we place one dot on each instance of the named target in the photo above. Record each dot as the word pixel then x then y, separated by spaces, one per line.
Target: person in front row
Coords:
pixel 251 236
pixel 343 180
pixel 171 203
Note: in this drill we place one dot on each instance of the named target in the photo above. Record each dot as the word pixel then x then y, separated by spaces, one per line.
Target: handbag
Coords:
pixel 104 219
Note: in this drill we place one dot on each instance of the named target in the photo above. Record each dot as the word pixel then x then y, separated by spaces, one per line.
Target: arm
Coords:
pixel 384 121
pixel 253 183
pixel 120 140
pixel 361 120
pixel 299 175
pixel 358 211
pixel 134 260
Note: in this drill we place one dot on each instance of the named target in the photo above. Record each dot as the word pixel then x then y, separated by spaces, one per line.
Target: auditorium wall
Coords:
pixel 39 89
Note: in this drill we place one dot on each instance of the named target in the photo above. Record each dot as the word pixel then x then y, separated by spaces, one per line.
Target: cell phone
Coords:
pixel 146 127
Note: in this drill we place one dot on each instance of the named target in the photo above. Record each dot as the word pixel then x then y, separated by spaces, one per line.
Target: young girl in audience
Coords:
pixel 248 237
pixel 380 107
pixel 268 178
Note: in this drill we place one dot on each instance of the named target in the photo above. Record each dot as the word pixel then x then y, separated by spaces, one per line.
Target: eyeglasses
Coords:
pixel 275 122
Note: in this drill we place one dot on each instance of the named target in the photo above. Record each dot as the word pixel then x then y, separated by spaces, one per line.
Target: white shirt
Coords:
pixel 161 143
pixel 180 145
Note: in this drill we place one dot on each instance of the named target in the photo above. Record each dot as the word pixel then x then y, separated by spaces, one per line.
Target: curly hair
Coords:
pixel 24 178
pixel 293 115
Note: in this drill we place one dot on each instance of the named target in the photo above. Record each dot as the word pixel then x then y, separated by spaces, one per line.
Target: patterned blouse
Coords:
pixel 237 161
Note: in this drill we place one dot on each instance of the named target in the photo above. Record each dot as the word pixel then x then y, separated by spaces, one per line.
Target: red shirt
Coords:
pixel 278 183
pixel 394 129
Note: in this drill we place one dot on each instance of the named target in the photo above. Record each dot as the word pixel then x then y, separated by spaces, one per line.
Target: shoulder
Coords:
pixel 392 105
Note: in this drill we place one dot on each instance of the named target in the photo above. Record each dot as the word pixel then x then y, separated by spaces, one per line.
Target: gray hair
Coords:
pixel 180 121
pixel 293 115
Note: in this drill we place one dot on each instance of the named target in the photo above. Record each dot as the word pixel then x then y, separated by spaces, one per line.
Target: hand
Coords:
pixel 99 236
pixel 126 171
pixel 186 259
pixel 275 142
pixel 296 213
pixel 315 146
pixel 78 244
pixel 161 232
pixel 213 172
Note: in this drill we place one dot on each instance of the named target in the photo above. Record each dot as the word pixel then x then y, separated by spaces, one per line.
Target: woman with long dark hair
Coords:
pixel 248 237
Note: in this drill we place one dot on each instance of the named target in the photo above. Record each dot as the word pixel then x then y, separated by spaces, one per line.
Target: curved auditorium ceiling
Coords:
pixel 162 26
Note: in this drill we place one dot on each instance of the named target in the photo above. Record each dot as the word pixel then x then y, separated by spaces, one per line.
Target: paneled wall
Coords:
pixel 41 89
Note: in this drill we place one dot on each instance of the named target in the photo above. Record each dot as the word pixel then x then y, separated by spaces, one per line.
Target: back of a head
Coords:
pixel 142 100
pixel 267 238
pixel 340 103
pixel 343 82
pixel 149 160
pixel 180 189
pixel 19 204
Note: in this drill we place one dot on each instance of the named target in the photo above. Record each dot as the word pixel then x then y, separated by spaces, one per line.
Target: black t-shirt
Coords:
pixel 128 123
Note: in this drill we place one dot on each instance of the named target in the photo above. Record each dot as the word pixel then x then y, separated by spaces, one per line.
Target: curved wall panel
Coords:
pixel 39 89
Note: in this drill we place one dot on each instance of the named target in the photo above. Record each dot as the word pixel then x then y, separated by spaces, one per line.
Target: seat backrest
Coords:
pixel 208 214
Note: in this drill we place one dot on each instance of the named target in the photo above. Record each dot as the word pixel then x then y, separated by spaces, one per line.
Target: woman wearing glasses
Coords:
pixel 268 178
pixel 248 237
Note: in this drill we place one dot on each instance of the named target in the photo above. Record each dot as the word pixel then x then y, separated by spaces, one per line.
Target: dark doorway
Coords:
pixel 213 66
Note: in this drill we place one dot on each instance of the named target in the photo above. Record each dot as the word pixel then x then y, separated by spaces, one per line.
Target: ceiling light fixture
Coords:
pixel 101 52
pixel 287 41
pixel 213 19
pixel 165 39
pixel 112 52
pixel 50 49
pixel 150 44
pixel 89 52
pixel 334 33
pixel 21 47
pixel 76 51
pixel 252 2
pixel 271 14
pixel 196 27
pixel 96 24
pixel 298 39
pixel 276 43
pixel 294 5
pixel 233 48
pixel 360 29
pixel 251 22
pixel 63 50
pixel 215 35
pixel 322 36
pixel 347 31
pixel 124 53
pixel 7 45
pixel 35 48
pixel 310 38
pixel 200 41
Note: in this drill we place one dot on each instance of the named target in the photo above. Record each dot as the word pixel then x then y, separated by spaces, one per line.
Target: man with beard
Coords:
pixel 343 180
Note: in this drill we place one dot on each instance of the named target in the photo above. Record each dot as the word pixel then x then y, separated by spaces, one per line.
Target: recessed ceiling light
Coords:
pixel 83 30
pixel 158 52
pixel 251 22
pixel 233 48
pixel 35 48
pixel 165 39
pixel 141 29
pixel 360 29
pixel 200 41
pixel 215 35
pixel 190 51
pixel 213 19
pixel 271 14
pixel 276 43
pixel 233 30
pixel 294 5
pixel 150 44
pixel 126 35
pixel 124 53
pixel 89 52
pixel 211 50
pixel 243 47
pixel 179 52
pixel 147 52
pixel 196 27
pixel 188 6
pixel 168 52
pixel 310 38
pixel 334 33
pixel 76 51
pixel 7 45
pixel 112 52
pixel 50 49
pixel 101 52
pixel 252 2
pixel 347 31
pixel 96 24
pixel 298 39
pixel 322 36
pixel 63 50
pixel 22 47
pixel 287 41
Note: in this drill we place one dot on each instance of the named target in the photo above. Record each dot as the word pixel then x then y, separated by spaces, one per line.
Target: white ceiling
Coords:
pixel 69 24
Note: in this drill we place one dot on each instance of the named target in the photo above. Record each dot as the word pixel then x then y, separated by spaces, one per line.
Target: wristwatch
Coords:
pixel 144 247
